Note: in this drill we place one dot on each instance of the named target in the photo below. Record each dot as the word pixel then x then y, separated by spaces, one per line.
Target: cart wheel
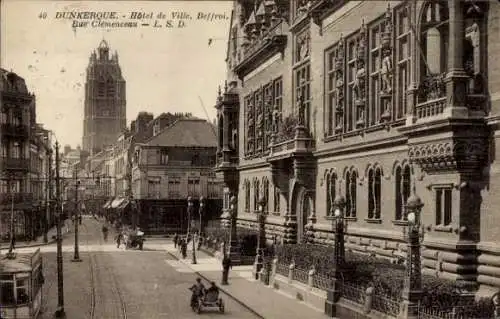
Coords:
pixel 198 309
pixel 221 308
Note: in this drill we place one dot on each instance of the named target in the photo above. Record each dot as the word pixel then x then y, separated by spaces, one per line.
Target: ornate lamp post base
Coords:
pixel 10 255
pixel 60 313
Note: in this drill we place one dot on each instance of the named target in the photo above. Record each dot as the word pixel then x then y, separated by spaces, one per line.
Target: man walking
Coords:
pixel 226 265
pixel 176 238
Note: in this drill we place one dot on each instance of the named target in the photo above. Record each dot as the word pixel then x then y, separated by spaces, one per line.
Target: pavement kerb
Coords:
pixel 225 291
pixel 36 244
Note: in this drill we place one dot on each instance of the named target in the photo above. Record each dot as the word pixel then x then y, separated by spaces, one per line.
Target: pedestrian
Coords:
pixel 176 238
pixel 200 241
pixel 119 238
pixel 226 265
pixel 184 249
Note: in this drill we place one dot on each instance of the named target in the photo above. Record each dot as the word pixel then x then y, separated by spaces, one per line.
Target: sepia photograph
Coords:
pixel 273 159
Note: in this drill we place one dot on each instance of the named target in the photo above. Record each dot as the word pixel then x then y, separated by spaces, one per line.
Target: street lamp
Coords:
pixel 190 211
pixel 76 256
pixel 234 250
pixel 261 239
pixel 60 274
pixel 202 204
pixel 412 289
pixel 333 292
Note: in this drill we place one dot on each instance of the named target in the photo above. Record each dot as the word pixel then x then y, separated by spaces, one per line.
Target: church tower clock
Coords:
pixel 105 101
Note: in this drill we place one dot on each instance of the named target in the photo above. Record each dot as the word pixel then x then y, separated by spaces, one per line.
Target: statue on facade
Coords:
pixel 301 108
pixel 359 81
pixel 387 70
pixel 234 139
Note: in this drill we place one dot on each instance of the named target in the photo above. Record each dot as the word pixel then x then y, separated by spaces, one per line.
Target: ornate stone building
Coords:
pixel 370 101
pixel 105 100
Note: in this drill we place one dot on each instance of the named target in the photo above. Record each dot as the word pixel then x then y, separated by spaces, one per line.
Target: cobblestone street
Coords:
pixel 114 283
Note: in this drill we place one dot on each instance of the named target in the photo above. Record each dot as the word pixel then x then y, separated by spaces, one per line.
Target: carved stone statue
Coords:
pixel 359 81
pixel 234 138
pixel 276 118
pixel 387 71
pixel 302 108
pixel 303 47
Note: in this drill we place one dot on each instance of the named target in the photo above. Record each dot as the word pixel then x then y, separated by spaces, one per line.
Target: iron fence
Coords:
pixel 353 292
pixel 472 311
pixel 301 275
pixel 386 304
pixel 322 282
pixel 282 269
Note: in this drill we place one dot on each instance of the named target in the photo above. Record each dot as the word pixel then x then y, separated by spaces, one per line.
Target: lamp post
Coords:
pixel 202 204
pixel 60 274
pixel 76 256
pixel 261 239
pixel 412 289
pixel 190 211
pixel 11 254
pixel 333 293
pixel 234 250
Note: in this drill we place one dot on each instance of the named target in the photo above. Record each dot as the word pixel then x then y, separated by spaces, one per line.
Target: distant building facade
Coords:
pixel 105 100
pixel 367 101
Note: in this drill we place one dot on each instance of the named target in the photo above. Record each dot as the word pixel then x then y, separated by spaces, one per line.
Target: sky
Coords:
pixel 166 70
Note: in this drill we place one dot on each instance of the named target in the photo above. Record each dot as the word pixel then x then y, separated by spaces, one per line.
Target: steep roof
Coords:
pixel 189 132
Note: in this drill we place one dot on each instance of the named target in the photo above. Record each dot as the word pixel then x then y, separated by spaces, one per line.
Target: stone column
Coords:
pixel 456 79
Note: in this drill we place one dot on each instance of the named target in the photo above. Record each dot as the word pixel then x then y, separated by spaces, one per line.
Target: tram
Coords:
pixel 21 281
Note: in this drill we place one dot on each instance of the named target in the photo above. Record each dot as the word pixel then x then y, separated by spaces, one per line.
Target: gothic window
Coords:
pixel 375 64
pixel 331 182
pixel 265 188
pixel 256 189
pixel 374 192
pixel 403 58
pixel 443 205
pixel 259 124
pixel 403 184
pixel 276 199
pixel 101 88
pixel 302 83
pixel 268 114
pixel 250 125
pixel 278 101
pixel 350 108
pixel 110 88
pixel 247 195
pixel 351 180
pixel 434 39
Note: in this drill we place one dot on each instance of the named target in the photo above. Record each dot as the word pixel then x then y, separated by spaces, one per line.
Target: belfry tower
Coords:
pixel 105 101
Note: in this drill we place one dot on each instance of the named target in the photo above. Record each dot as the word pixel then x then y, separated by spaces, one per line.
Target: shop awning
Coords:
pixel 108 204
pixel 117 202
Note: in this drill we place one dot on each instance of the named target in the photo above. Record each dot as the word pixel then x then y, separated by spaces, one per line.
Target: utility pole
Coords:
pixel 76 256
pixel 60 280
pixel 48 191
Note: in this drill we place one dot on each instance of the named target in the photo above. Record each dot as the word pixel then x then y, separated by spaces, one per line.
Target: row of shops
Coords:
pixel 157 216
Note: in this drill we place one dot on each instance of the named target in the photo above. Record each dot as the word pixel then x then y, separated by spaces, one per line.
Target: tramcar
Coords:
pixel 21 281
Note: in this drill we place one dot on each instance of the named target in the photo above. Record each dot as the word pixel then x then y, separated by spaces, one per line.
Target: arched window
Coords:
pixel 374 192
pixel 331 182
pixel 403 182
pixel 351 188
pixel 256 194
pixel 247 195
pixel 265 186
pixel 110 88
pixel 434 40
pixel 276 199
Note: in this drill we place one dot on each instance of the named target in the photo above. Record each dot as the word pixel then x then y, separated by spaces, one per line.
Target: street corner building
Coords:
pixel 24 162
pixel 372 101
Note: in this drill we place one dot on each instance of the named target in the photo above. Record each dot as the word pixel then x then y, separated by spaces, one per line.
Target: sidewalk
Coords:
pixel 51 236
pixel 261 299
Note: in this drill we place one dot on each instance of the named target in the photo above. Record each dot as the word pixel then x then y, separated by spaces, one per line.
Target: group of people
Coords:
pixel 199 291
pixel 181 242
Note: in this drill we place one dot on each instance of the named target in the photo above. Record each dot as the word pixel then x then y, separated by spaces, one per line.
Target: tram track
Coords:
pixel 95 268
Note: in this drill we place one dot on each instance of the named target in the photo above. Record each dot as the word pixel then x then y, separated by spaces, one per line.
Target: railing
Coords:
pixel 18 197
pixel 430 108
pixel 386 304
pixel 14 163
pixel 301 275
pixel 179 163
pixel 353 293
pixel 290 145
pixel 282 269
pixel 275 30
pixel 457 312
pixel 322 282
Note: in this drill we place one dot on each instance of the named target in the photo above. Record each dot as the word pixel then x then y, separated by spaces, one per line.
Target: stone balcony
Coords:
pixel 9 163
pixel 9 129
pixel 291 146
